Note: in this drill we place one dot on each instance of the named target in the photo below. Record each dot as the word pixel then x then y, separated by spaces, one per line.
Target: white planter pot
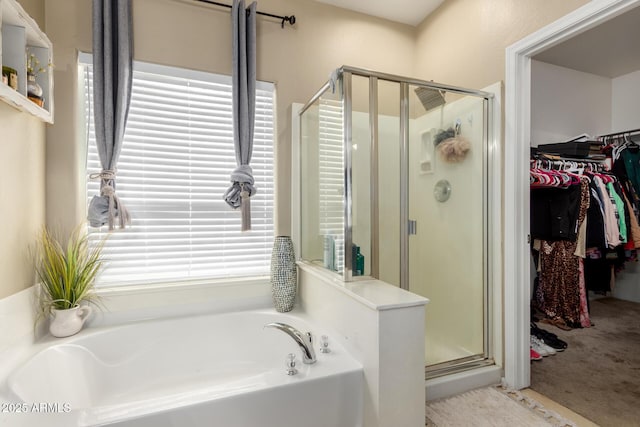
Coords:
pixel 64 323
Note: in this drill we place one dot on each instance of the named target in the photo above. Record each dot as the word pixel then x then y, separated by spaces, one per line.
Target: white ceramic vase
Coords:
pixel 64 323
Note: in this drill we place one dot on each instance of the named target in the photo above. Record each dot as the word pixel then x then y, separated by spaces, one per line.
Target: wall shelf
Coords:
pixel 20 36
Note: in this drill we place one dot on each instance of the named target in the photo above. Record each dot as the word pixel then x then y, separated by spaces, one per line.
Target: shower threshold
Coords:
pixel 456 366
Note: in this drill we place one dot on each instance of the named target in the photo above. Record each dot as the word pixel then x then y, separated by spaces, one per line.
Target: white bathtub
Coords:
pixel 216 370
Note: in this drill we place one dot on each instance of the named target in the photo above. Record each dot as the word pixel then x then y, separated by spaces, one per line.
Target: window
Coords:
pixel 172 173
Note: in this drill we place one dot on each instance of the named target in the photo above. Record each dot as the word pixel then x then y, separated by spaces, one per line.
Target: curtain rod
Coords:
pixel 619 133
pixel 290 19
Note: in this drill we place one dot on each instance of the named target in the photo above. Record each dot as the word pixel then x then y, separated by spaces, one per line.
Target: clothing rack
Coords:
pixel 290 19
pixel 621 133
pixel 595 165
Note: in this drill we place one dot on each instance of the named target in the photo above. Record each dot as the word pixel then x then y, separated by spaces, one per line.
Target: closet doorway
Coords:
pixel 579 75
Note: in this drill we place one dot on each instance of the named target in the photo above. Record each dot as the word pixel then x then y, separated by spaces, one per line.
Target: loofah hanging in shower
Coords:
pixel 454 150
pixel 453 147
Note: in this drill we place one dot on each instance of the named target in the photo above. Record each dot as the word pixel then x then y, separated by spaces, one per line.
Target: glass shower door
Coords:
pixel 447 188
pixel 395 187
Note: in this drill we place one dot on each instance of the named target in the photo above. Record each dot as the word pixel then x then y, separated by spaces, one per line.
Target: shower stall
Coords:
pixel 395 178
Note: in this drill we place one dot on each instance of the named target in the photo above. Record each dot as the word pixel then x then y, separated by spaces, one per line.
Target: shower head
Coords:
pixel 430 97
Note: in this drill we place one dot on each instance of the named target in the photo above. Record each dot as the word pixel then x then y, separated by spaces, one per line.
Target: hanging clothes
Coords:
pixel 585 320
pixel 625 155
pixel 597 271
pixel 596 234
pixel 617 201
pixel 559 288
pixel 633 225
pixel 632 166
pixel 612 230
pixel 554 213
pixel 585 227
pixel 619 211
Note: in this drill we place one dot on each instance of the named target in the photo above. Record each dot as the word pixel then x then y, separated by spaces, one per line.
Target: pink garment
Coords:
pixel 611 227
pixel 585 322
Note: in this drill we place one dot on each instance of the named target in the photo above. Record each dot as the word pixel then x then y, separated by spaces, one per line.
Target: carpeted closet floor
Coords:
pixel 598 376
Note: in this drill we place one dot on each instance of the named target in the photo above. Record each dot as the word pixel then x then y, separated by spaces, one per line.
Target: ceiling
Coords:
pixel 610 50
pixel 410 12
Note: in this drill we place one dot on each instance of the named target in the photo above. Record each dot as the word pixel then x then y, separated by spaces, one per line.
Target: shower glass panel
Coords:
pixel 322 182
pixel 394 186
pixel 388 181
pixel 447 193
pixel 361 177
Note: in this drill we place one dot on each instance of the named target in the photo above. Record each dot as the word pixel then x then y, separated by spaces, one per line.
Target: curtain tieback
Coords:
pixel 238 195
pixel 115 208
pixel 245 207
pixel 107 187
pixel 241 182
pixel 105 175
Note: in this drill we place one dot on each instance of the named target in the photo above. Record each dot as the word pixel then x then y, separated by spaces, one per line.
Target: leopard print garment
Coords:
pixel 558 292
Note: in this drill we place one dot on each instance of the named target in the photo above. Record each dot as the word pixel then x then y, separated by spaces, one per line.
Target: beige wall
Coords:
pixel 22 207
pixel 22 152
pixel 35 9
pixel 453 46
pixel 171 32
pixel 69 28
pixel 463 42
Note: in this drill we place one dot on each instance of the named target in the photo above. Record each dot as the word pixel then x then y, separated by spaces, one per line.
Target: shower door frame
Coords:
pixel 491 198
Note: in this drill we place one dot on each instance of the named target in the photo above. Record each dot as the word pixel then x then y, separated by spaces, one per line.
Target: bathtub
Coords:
pixel 216 370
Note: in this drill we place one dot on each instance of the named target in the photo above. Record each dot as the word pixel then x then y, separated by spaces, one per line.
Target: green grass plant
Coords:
pixel 67 273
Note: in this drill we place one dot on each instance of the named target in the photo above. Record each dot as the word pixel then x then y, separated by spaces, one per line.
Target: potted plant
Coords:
pixel 67 276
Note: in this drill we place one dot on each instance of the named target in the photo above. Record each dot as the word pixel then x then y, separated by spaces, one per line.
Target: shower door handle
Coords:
pixel 412 227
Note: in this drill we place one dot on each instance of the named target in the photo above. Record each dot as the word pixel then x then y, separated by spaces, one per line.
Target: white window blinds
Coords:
pixel 331 175
pixel 172 173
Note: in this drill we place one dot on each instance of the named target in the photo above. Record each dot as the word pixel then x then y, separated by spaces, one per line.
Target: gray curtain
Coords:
pixel 112 77
pixel 244 96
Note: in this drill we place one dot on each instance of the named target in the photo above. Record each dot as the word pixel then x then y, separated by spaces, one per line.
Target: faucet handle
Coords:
pixel 325 344
pixel 290 363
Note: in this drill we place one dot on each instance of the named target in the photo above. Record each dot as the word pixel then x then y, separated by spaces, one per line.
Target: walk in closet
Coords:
pixel 585 232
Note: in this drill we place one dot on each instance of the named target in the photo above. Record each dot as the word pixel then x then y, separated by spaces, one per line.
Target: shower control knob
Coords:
pixel 291 364
pixel 324 344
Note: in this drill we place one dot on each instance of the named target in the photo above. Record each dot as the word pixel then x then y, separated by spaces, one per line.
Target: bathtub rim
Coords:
pixel 47 342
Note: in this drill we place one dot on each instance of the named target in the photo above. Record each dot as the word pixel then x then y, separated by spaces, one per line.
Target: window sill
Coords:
pixel 122 304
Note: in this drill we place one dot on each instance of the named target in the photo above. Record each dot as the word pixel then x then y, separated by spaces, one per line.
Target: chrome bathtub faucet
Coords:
pixel 304 341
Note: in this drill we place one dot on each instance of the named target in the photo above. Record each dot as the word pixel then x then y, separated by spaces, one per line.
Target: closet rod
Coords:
pixel 594 164
pixel 290 19
pixel 563 162
pixel 550 165
pixel 620 133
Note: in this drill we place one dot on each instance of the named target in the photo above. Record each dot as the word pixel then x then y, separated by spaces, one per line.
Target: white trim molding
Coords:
pixel 516 180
